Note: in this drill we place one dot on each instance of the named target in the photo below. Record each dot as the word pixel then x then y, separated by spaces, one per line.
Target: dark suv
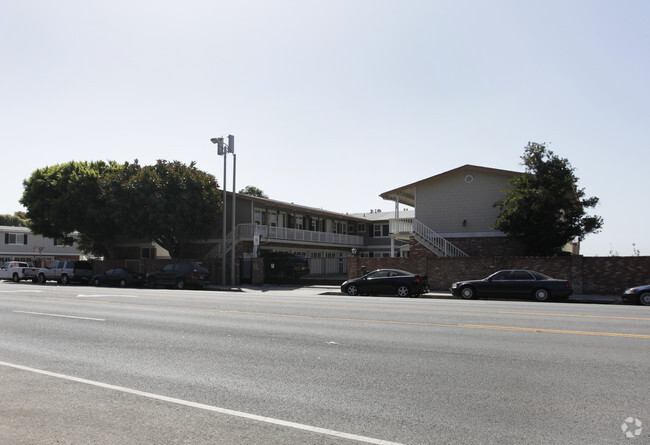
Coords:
pixel 180 275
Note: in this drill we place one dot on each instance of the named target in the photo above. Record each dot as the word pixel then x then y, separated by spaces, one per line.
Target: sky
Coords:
pixel 334 102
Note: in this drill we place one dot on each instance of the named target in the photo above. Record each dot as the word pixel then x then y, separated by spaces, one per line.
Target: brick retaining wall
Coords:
pixel 588 275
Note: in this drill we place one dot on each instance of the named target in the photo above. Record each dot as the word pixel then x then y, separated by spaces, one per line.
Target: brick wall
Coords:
pixel 482 246
pixel 588 275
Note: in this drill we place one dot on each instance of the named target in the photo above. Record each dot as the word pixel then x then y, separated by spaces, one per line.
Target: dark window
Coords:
pixel 520 275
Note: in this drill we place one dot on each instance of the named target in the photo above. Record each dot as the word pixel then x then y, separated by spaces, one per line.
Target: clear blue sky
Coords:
pixel 334 102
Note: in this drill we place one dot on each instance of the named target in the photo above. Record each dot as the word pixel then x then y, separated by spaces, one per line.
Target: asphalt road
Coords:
pixel 83 365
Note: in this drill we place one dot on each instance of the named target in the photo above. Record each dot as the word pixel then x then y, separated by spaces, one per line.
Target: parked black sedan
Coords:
pixel 638 294
pixel 387 282
pixel 119 277
pixel 513 283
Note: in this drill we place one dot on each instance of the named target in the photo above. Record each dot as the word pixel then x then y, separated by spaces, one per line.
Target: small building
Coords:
pixel 20 244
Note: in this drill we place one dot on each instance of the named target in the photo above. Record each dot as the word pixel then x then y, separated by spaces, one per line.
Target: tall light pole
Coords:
pixel 231 146
pixel 222 150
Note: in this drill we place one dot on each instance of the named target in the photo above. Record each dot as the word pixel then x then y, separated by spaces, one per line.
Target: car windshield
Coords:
pixel 501 275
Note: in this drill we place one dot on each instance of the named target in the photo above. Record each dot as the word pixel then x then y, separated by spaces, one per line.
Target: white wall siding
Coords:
pixel 444 204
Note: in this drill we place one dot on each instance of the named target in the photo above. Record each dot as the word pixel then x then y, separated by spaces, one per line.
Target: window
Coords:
pixel 273 219
pixel 361 228
pixel 259 217
pixel 380 230
pixel 502 275
pixel 299 224
pixel 61 243
pixel 15 238
pixel 520 275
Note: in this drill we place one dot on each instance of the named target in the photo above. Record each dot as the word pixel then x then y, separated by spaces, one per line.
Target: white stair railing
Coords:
pixel 444 247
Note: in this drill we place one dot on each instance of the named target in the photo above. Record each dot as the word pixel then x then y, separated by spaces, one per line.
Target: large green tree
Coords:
pixel 67 198
pixel 544 208
pixel 169 202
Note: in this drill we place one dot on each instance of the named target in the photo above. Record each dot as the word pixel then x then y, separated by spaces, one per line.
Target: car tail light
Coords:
pixel 567 285
pixel 417 279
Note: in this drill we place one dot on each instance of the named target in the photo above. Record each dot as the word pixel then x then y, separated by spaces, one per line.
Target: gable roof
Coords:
pixel 406 194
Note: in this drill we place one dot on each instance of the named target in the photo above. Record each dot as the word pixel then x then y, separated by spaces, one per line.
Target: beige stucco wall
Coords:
pixel 444 203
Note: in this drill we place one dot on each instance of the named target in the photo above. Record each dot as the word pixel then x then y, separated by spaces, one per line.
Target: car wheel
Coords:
pixel 151 282
pixel 468 293
pixel 15 278
pixel 542 295
pixel 180 284
pixel 41 278
pixel 64 279
pixel 96 282
pixel 122 282
pixel 353 290
pixel 644 298
pixel 403 291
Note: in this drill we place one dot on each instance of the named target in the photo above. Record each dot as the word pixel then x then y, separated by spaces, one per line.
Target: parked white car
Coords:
pixel 16 271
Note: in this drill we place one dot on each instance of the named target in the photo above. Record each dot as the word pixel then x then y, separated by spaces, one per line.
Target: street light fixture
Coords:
pixel 222 150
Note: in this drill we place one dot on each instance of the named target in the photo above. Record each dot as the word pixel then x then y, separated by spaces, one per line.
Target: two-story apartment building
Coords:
pixel 20 244
pixel 453 216
pixel 455 213
pixel 264 227
pixel 326 238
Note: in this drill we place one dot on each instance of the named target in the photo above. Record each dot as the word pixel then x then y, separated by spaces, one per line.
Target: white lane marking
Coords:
pixel 104 295
pixel 229 412
pixel 19 291
pixel 59 315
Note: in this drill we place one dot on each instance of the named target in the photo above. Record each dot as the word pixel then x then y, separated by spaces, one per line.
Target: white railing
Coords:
pixel 402 225
pixel 413 226
pixel 440 243
pixel 284 233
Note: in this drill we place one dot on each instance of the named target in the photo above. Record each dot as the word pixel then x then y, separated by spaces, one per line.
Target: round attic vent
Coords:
pixel 469 178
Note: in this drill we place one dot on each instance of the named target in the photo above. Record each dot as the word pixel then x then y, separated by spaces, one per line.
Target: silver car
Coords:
pixel 65 272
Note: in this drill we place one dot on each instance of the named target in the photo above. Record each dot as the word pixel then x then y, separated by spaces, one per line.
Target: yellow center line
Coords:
pixel 361 320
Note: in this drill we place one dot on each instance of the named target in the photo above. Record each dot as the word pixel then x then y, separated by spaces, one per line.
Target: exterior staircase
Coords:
pixel 404 228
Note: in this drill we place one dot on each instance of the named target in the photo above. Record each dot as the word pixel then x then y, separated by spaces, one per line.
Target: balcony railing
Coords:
pixel 403 225
pixel 286 234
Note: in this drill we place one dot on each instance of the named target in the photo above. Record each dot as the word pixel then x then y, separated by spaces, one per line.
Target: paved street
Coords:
pixel 84 365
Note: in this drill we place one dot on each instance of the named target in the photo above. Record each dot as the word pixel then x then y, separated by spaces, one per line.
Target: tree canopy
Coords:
pixel 67 198
pixel 168 202
pixel 544 208
pixel 251 190
pixel 18 219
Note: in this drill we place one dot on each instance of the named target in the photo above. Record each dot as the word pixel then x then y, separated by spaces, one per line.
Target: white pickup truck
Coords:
pixel 17 270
